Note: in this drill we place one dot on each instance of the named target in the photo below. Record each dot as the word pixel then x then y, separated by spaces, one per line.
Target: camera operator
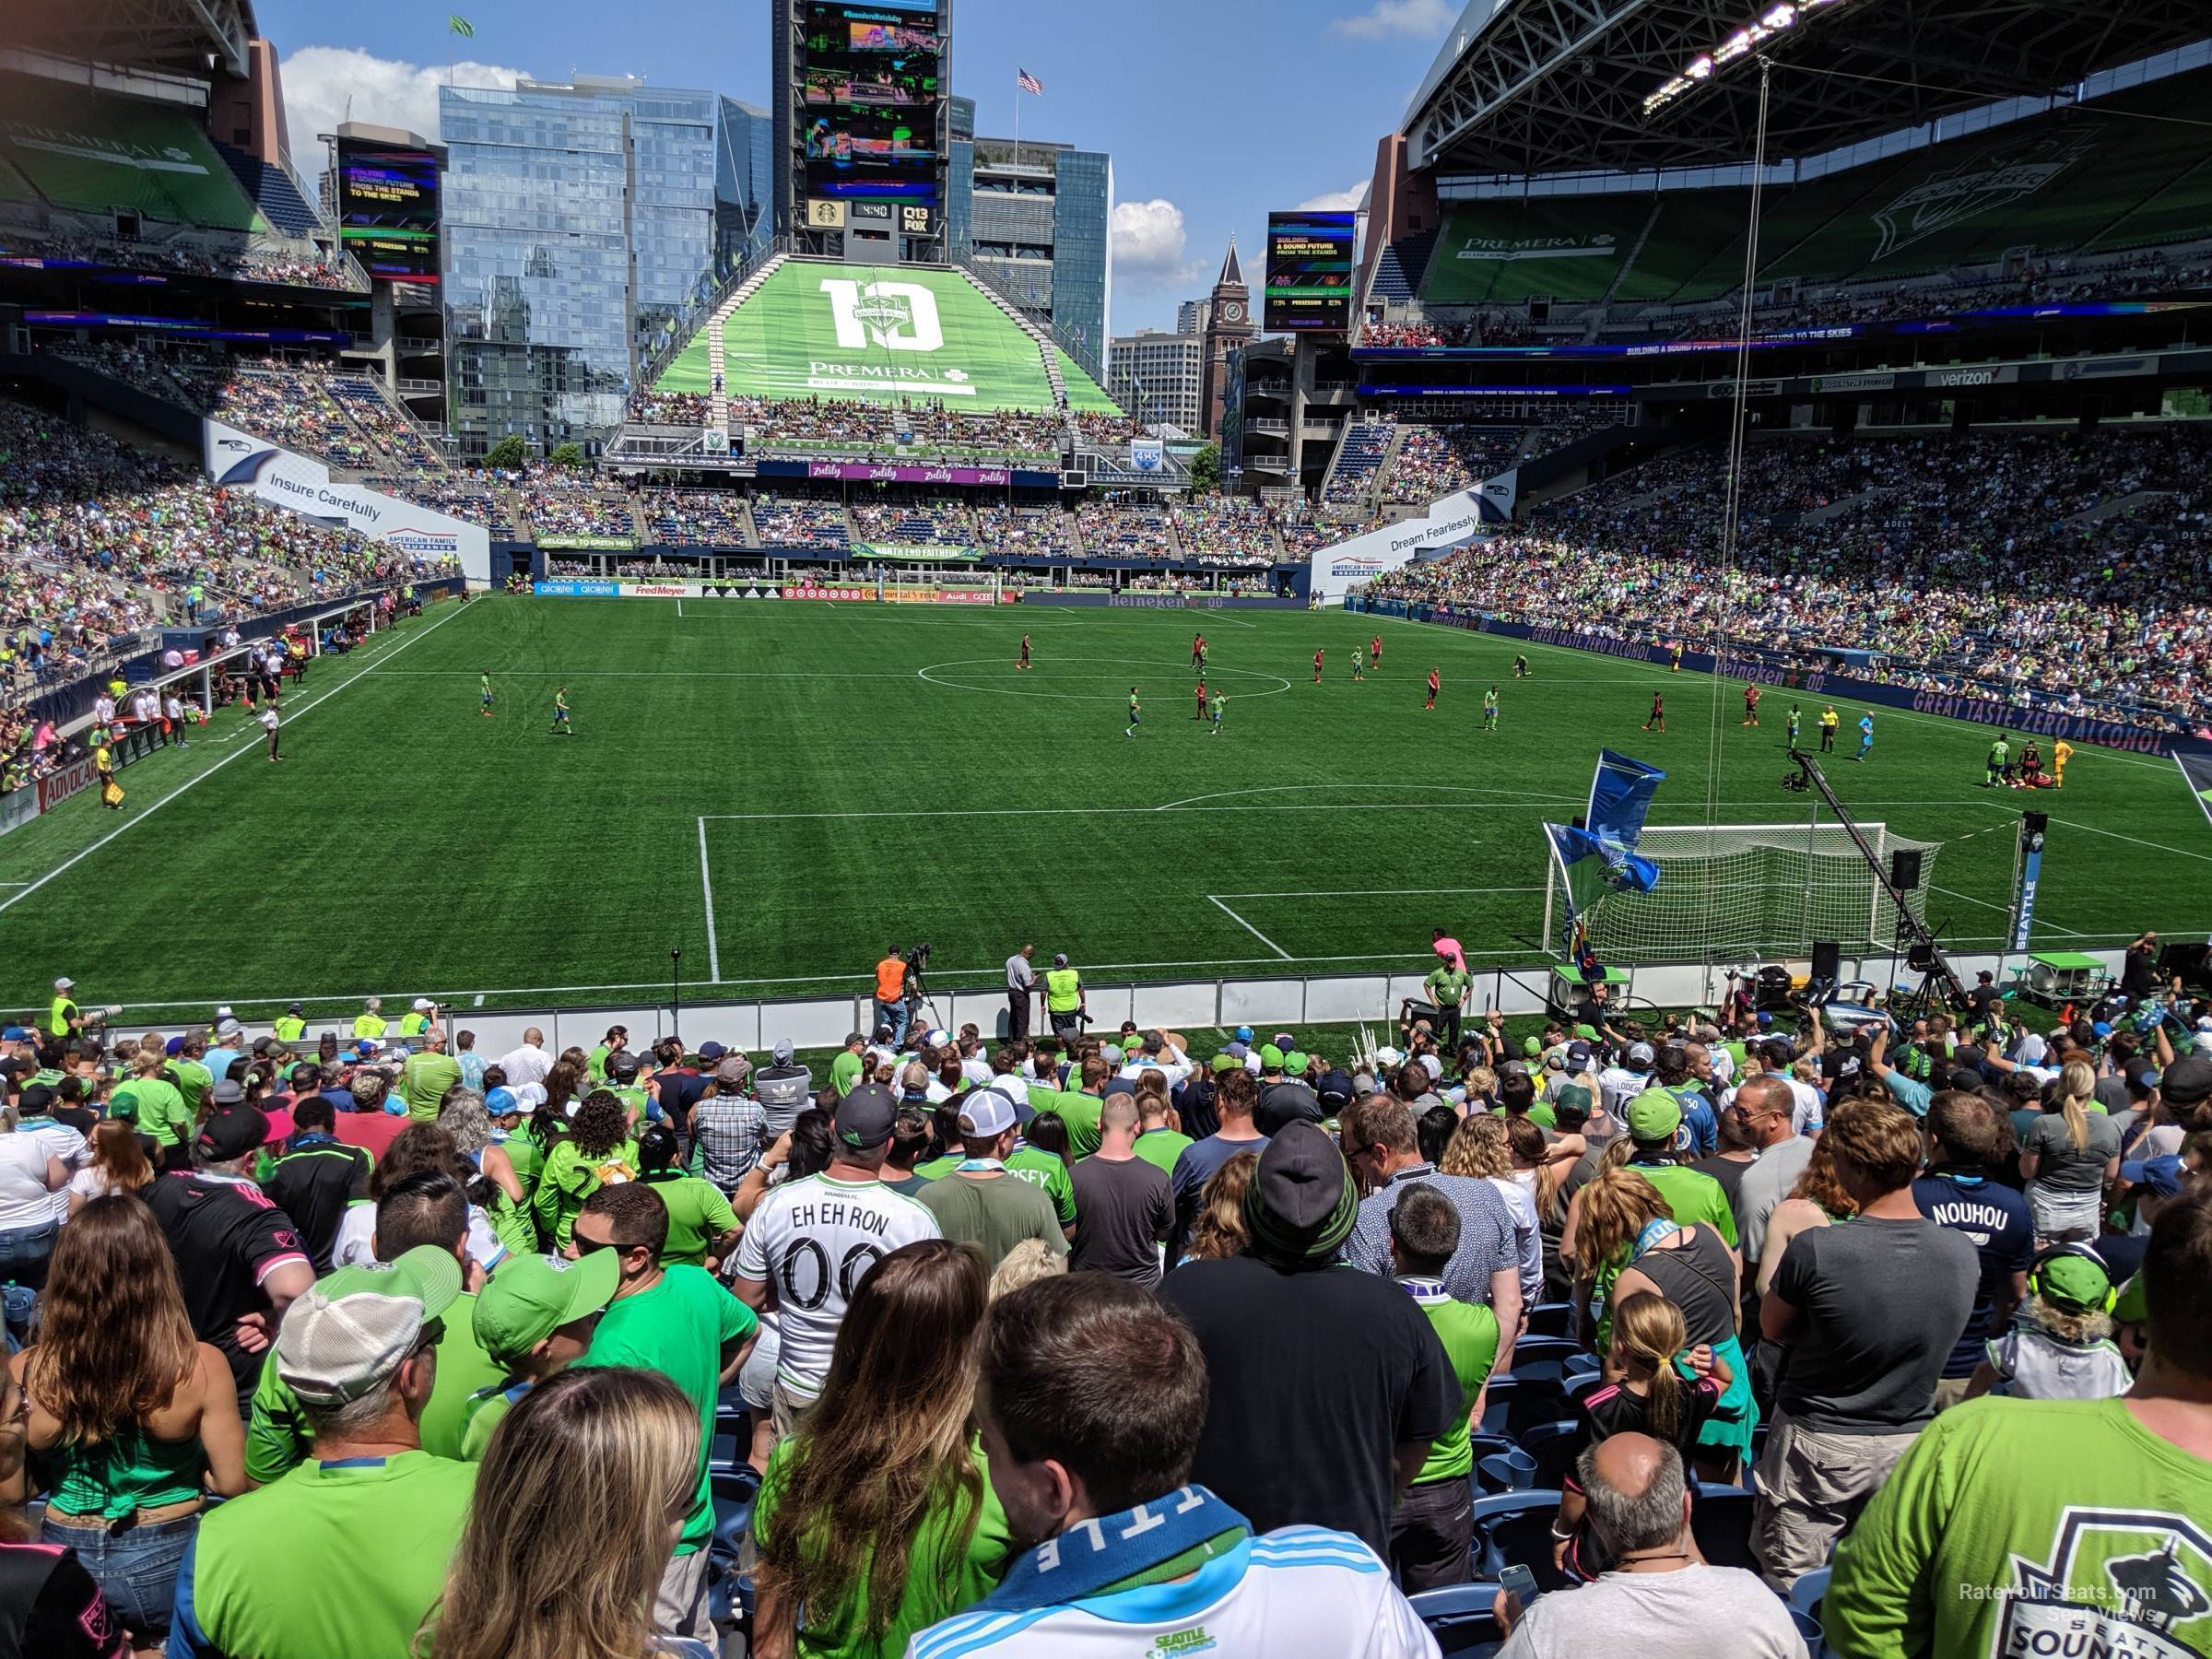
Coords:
pixel 891 993
pixel 1021 986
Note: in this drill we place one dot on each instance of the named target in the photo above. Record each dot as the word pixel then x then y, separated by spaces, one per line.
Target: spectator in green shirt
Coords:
pixel 425 1076
pixel 534 1317
pixel 848 1068
pixel 158 1108
pixel 1447 987
pixel 703 1227
pixel 357 1353
pixel 1428 1540
pixel 877 1519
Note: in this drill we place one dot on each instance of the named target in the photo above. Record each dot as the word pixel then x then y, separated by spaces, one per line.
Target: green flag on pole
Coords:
pixel 457 24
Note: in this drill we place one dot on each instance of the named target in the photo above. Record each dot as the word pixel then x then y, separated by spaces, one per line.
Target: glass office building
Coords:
pixel 580 222
pixel 1035 220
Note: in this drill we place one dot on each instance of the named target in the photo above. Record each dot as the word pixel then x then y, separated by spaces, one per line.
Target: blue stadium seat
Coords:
pixel 1720 1522
pixel 1551 1319
pixel 271 191
pixel 1541 1357
pixel 1518 1403
pixel 1511 1470
pixel 1514 1529
pixel 734 1495
pixel 1459 1617
pixel 1551 1447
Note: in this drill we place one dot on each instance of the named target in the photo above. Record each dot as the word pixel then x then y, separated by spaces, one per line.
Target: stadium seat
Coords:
pixel 1551 1319
pixel 1511 1470
pixel 1542 1359
pixel 1517 1405
pixel 1514 1529
pixel 1461 1618
pixel 1550 1446
pixel 734 1495
pixel 1720 1522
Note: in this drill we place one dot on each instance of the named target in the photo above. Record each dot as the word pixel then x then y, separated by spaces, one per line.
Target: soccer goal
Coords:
pixel 1737 891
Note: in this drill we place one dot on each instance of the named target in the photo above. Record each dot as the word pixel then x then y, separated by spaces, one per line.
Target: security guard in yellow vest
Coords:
pixel 370 1022
pixel 290 1025
pixel 64 1018
pixel 1063 1000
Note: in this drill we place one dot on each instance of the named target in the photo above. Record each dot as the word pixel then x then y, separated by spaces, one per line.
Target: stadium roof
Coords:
pixel 185 36
pixel 1549 86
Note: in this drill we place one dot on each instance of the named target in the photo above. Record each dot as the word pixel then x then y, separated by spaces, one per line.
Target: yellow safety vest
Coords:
pixel 1063 990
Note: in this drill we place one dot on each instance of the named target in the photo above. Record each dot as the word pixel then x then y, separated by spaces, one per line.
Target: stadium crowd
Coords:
pixel 1952 557
pixel 863 427
pixel 1682 1316
pixel 237 265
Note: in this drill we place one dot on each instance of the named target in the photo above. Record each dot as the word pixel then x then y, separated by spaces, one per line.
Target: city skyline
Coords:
pixel 1183 184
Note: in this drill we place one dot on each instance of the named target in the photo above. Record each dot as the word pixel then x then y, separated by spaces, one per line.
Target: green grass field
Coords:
pixel 780 790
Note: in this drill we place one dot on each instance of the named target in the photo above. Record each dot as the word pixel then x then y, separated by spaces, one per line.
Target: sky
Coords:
pixel 1216 111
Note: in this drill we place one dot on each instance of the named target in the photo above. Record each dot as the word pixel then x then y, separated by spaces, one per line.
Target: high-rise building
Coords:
pixel 1229 327
pixel 580 222
pixel 1190 317
pixel 745 159
pixel 1156 377
pixel 1035 218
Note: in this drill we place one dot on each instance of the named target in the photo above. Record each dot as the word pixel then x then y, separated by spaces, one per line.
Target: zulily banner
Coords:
pixel 1951 705
pixel 907 472
pixel 237 460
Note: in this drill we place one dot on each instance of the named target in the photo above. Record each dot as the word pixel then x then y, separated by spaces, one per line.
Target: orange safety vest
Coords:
pixel 891 979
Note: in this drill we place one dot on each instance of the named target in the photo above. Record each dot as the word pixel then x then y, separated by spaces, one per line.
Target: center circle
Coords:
pixel 1029 680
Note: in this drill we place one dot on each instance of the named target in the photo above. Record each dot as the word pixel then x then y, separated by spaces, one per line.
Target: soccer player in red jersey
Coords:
pixel 1317 667
pixel 1435 685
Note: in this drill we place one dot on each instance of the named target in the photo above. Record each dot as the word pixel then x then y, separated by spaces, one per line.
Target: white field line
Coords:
pixel 962 812
pixel 1249 928
pixel 1378 892
pixel 2136 839
pixel 198 778
pixel 706 883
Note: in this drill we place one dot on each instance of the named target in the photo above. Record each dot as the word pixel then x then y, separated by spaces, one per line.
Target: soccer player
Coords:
pixel 560 713
pixel 1657 718
pixel 2060 752
pixel 1199 652
pixel 268 724
pixel 1317 667
pixel 2032 766
pixel 1830 720
pixel 1866 735
pixel 1359 663
pixel 1521 668
pixel 486 680
pixel 1134 714
pixel 1201 714
pixel 1025 652
pixel 1752 693
pixel 1220 703
pixel 2000 755
pixel 1797 719
pixel 1435 685
pixel 1375 651
pixel 1490 710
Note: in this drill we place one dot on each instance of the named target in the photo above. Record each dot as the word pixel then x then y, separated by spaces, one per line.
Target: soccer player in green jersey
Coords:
pixel 560 713
pixel 1796 719
pixel 2000 755
pixel 1214 711
pixel 486 682
pixel 1490 710
pixel 1359 664
pixel 1134 714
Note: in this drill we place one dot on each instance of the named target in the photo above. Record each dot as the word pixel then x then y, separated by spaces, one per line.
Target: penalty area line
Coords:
pixel 1249 928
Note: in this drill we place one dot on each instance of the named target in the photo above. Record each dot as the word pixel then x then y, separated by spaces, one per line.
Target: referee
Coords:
pixel 1021 986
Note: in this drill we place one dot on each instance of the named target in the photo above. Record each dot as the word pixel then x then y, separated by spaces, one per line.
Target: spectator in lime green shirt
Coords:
pixel 703 1227
pixel 424 1078
pixel 848 1067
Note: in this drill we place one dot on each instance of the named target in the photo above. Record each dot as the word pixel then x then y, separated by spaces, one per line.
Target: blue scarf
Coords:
pixel 1091 1554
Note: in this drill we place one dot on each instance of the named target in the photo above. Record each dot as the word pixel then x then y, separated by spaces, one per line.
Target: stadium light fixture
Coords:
pixel 1775 21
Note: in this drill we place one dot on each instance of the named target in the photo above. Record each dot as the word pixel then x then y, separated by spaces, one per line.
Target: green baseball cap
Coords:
pixel 1573 1097
pixel 2074 1278
pixel 1271 1057
pixel 1296 1063
pixel 1532 1046
pixel 1654 1115
pixel 533 1296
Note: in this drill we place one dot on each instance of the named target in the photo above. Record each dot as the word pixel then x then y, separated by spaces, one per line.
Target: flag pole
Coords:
pixel 1017 119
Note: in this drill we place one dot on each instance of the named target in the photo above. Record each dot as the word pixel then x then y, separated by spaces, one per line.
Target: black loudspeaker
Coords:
pixel 1827 961
pixel 1904 868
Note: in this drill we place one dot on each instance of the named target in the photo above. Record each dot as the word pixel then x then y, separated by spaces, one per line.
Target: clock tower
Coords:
pixel 1229 325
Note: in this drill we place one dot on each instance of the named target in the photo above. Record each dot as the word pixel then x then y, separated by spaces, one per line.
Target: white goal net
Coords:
pixel 1737 892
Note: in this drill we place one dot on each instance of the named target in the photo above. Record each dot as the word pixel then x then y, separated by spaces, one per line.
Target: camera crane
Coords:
pixel 1937 969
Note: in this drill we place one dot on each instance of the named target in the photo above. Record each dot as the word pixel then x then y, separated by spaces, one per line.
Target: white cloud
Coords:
pixel 320 81
pixel 1336 201
pixel 1416 19
pixel 1150 242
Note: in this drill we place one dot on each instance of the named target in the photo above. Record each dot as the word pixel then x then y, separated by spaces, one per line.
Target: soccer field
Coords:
pixel 782 790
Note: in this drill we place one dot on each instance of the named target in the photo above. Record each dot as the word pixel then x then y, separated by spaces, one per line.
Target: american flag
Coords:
pixel 1026 82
